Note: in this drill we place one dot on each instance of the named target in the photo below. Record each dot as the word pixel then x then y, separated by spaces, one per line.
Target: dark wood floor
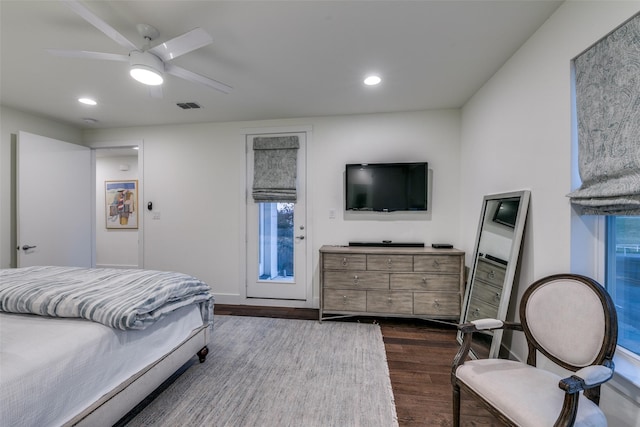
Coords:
pixel 419 354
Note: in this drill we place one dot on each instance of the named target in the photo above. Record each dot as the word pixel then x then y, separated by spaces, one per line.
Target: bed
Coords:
pixel 84 346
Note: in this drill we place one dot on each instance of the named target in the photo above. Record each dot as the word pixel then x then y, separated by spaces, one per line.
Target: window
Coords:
pixel 623 277
pixel 276 241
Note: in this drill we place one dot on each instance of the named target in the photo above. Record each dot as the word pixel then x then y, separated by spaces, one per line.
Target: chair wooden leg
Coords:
pixel 456 406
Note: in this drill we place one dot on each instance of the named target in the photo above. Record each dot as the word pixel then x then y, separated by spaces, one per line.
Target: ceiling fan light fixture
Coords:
pixel 146 76
pixel 146 68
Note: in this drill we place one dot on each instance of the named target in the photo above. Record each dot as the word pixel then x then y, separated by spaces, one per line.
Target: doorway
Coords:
pixel 118 222
pixel 277 235
pixel 62 178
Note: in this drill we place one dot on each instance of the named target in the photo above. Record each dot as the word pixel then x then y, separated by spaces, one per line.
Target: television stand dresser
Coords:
pixel 396 281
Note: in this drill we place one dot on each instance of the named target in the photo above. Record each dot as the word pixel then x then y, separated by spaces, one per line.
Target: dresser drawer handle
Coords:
pixel 436 304
pixel 491 274
pixel 389 263
pixel 475 313
pixel 389 301
pixel 344 299
pixel 424 280
pixel 496 297
pixel 436 264
pixel 344 262
pixel 356 280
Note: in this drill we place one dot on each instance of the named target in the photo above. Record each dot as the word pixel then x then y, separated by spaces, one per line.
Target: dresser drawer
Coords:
pixel 390 262
pixel 479 309
pixel 345 261
pixel 487 293
pixel 347 300
pixel 356 280
pixel 436 304
pixel 425 282
pixel 490 273
pixel 437 263
pixel 398 302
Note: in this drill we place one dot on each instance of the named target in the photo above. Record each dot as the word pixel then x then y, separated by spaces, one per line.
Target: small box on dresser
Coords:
pixel 393 281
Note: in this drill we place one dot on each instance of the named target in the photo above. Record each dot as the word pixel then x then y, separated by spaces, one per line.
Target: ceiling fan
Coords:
pixel 148 63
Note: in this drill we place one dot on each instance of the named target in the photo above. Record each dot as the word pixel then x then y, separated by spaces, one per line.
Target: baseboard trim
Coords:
pixel 232 299
pixel 121 266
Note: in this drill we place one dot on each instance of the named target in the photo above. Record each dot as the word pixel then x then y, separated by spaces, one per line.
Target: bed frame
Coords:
pixel 117 403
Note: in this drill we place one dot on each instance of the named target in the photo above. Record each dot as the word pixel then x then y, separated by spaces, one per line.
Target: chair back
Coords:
pixel 570 319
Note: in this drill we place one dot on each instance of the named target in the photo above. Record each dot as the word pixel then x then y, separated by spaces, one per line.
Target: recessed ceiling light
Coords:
pixel 372 80
pixel 87 101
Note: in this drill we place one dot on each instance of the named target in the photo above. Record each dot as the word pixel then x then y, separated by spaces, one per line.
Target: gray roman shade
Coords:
pixel 275 166
pixel 608 113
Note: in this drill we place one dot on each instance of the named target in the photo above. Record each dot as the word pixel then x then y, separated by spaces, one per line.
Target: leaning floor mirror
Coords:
pixel 495 259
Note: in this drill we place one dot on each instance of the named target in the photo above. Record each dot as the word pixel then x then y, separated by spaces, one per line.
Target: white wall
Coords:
pixel 11 122
pixel 195 177
pixel 115 247
pixel 516 134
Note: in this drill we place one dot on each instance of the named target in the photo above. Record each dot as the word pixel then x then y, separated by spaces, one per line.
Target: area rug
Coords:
pixel 281 372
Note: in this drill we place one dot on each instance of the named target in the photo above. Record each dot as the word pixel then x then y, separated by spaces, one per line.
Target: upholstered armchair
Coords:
pixel 569 319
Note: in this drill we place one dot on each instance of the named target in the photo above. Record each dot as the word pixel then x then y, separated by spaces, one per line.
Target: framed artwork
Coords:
pixel 121 204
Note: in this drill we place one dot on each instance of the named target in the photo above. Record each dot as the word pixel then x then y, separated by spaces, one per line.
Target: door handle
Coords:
pixel 300 237
pixel 27 247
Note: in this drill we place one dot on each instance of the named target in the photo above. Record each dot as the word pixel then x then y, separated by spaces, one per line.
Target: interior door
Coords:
pixel 54 202
pixel 276 242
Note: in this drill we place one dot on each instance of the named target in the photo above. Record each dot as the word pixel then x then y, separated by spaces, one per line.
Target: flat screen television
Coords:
pixel 386 187
pixel 506 212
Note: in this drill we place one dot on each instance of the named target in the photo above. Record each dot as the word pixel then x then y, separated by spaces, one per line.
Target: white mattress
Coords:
pixel 53 368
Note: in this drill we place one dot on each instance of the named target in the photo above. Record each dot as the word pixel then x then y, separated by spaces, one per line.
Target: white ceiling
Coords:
pixel 283 58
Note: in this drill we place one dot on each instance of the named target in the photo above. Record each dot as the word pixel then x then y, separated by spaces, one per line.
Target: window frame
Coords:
pixel 626 378
pixel 610 260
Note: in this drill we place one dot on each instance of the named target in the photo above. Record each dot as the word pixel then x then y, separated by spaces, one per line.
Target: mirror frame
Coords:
pixel 511 267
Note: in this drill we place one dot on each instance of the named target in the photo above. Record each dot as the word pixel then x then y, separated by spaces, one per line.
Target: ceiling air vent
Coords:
pixel 188 105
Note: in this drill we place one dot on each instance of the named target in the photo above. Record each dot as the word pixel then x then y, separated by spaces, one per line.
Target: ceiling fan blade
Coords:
pixel 85 54
pixel 97 22
pixel 196 78
pixel 180 45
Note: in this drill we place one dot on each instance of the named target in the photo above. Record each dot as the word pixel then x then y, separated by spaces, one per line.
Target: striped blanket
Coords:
pixel 121 299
